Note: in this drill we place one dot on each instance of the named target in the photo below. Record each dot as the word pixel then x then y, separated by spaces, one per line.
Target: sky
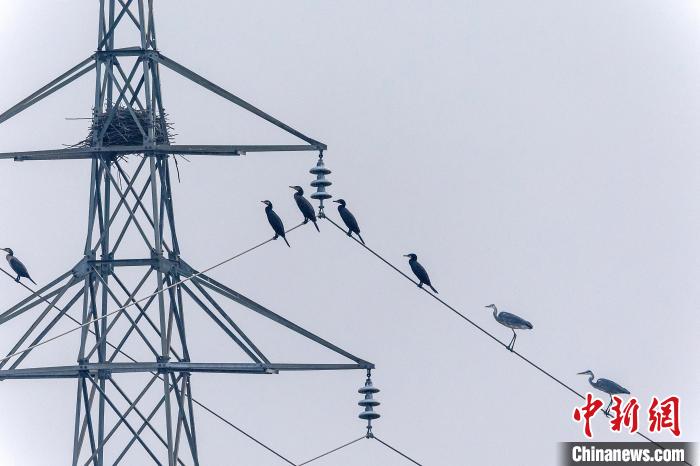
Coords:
pixel 541 156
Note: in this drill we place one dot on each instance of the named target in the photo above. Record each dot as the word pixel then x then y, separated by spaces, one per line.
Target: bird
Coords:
pixel 606 386
pixel 305 206
pixel 17 266
pixel 275 222
pixel 349 219
pixel 420 272
pixel 511 321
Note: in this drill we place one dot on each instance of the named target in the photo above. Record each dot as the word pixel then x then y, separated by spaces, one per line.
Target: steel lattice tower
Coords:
pixel 137 201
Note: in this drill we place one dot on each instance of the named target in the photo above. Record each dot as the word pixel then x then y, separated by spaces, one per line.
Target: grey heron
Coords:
pixel 606 386
pixel 17 266
pixel 275 221
pixel 349 219
pixel 419 271
pixel 511 321
pixel 305 206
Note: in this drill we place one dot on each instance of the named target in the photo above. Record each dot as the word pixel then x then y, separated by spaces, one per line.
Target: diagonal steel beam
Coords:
pixel 252 305
pixel 228 332
pixel 126 413
pixel 48 328
pixel 56 84
pixel 192 76
pixel 231 322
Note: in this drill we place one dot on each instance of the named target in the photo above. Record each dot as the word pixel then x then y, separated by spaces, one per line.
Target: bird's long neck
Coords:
pixel 590 379
pixel 495 312
pixel 268 208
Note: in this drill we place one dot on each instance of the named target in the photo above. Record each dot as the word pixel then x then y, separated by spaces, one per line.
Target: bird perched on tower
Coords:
pixel 511 321
pixel 349 219
pixel 17 266
pixel 419 271
pixel 307 210
pixel 275 222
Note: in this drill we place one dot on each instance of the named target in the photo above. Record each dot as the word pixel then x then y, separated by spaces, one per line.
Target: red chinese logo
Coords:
pixel 627 416
pixel 592 406
pixel 664 415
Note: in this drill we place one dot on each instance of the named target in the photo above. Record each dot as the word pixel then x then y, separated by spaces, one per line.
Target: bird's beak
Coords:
pixel 293 187
pixel 262 202
pixel 407 255
pixel 335 201
pixel 583 373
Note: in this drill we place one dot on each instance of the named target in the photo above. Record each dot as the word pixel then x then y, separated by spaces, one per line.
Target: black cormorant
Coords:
pixel 420 272
pixel 305 206
pixel 275 221
pixel 17 266
pixel 349 219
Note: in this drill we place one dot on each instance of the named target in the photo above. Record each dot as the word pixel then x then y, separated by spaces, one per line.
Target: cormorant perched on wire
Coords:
pixel 511 321
pixel 420 272
pixel 275 222
pixel 17 266
pixel 305 206
pixel 349 219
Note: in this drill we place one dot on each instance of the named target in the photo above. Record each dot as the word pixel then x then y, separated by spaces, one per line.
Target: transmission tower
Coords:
pixel 129 123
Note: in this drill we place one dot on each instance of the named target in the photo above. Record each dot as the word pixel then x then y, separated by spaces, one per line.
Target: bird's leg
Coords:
pixel 420 284
pixel 276 236
pixel 306 220
pixel 512 342
pixel 17 279
pixel 350 233
pixel 607 410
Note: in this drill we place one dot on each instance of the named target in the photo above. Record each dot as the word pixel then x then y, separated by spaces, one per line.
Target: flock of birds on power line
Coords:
pixel 506 319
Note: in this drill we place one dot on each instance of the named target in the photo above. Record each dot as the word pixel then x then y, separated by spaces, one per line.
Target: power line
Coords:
pixel 232 425
pixel 194 400
pixel 486 332
pixel 333 450
pixel 395 450
pixel 133 303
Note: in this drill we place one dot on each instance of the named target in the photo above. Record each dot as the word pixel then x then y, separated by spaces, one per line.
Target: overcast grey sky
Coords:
pixel 542 156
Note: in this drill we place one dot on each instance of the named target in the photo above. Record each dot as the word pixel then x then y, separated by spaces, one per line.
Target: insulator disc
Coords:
pixel 368 415
pixel 368 389
pixel 369 402
pixel 317 183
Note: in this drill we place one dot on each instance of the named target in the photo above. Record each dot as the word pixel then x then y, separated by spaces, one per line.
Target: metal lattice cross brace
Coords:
pixel 136 205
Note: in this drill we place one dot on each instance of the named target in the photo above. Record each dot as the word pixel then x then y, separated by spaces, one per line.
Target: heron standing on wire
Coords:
pixel 305 206
pixel 606 386
pixel 511 321
pixel 419 271
pixel 275 222
pixel 349 219
pixel 17 266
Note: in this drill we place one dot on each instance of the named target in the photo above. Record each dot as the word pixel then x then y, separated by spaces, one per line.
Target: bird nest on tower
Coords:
pixel 122 129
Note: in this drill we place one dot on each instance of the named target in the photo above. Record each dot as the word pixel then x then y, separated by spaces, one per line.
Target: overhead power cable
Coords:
pixel 371 436
pixel 194 400
pixel 132 303
pixel 477 326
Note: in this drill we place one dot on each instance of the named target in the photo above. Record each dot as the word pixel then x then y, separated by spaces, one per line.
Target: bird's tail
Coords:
pixel 285 240
pixel 30 279
pixel 434 290
pixel 316 225
pixel 360 236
